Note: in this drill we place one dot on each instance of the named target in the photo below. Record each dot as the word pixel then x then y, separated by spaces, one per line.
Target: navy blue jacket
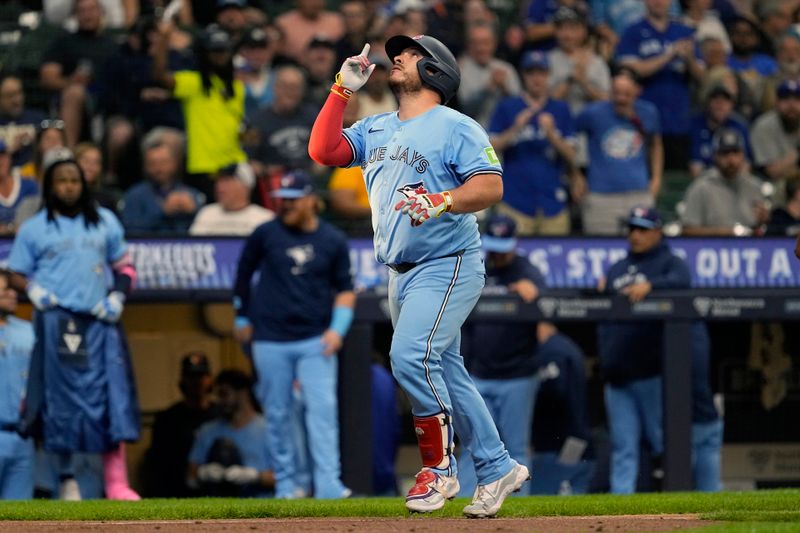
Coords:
pixel 631 351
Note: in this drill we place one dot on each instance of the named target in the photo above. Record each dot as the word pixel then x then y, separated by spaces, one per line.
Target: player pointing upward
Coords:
pixel 427 169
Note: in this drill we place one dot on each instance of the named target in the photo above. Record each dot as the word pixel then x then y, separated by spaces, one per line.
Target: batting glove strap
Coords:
pixel 41 298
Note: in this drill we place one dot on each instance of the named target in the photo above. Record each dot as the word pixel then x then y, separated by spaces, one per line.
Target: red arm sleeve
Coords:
pixel 327 145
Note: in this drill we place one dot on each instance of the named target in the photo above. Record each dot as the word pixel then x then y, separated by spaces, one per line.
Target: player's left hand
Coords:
pixel 109 309
pixel 421 207
pixel 331 342
pixel 636 292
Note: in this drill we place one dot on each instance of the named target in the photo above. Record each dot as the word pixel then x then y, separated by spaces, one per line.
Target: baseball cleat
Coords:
pixel 430 491
pixel 490 497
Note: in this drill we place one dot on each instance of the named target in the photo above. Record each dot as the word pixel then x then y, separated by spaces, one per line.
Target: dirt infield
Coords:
pixel 559 524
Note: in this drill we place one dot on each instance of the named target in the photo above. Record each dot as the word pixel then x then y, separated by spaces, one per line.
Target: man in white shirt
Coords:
pixel 232 213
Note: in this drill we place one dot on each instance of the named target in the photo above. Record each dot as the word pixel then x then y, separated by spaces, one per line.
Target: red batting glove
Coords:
pixel 421 207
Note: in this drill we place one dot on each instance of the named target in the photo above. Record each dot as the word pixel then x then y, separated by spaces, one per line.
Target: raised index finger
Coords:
pixel 365 51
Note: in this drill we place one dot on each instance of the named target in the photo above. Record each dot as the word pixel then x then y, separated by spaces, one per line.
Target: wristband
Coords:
pixel 341 319
pixel 448 201
pixel 342 92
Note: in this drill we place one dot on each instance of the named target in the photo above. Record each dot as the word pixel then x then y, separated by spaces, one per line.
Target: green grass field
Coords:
pixel 761 511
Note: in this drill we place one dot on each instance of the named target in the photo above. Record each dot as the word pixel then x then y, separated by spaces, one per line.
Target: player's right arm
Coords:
pixel 328 144
pixel 252 254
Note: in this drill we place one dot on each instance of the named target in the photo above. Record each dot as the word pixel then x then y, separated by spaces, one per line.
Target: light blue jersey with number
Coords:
pixel 67 258
pixel 436 151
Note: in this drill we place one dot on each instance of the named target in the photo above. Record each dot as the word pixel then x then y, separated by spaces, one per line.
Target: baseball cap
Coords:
pixel 645 217
pixel 225 4
pixel 255 38
pixel 56 156
pixel 215 39
pixel 789 88
pixel 294 184
pixel 241 171
pixel 500 235
pixel 321 41
pixel 535 60
pixel 569 14
pixel 727 140
pixel 195 364
pixel 719 90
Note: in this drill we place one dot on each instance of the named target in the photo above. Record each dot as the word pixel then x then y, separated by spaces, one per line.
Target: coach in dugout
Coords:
pixel 631 352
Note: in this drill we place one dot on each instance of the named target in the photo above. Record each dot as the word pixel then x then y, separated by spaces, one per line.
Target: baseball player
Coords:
pixel 16 452
pixel 81 382
pixel 297 320
pixel 427 169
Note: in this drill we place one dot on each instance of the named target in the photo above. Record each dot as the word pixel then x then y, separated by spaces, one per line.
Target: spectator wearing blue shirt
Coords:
pixel 501 356
pixel 14 192
pixel 626 157
pixel 535 134
pixel 662 53
pixel 752 66
pixel 718 113
pixel 613 17
pixel 161 203
pixel 18 124
pixel 539 26
pixel 230 456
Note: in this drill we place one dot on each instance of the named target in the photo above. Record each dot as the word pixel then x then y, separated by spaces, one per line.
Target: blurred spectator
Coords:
pixel 786 220
pixel 707 426
pixel 73 63
pixel 718 114
pixel 14 192
pixel 50 135
pixel 356 19
pixel 16 476
pixel 231 18
pixel 500 357
pixel 775 18
pixel 321 67
pixel 726 199
pixel 347 191
pixel 116 13
pixel 775 135
pixel 161 203
pixel 284 126
pixel 18 124
pixel 254 67
pixel 713 53
pixel 308 19
pixel 631 352
pixel 788 58
pixel 129 88
pixel 539 26
pixel 485 80
pixel 174 428
pixel 626 157
pixel 561 432
pixel 213 104
pixel 376 97
pixel 699 14
pixel 232 213
pixel 90 159
pixel 536 136
pixel 746 60
pixel 744 100
pixel 661 52
pixel 613 17
pixel 230 456
pixel 577 75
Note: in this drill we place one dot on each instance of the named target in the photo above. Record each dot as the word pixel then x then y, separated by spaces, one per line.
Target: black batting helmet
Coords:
pixel 438 69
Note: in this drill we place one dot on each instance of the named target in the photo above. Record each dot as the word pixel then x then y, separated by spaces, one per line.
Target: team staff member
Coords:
pixel 16 343
pixel 501 357
pixel 631 352
pixel 297 320
pixel 81 381
pixel 213 104
pixel 427 169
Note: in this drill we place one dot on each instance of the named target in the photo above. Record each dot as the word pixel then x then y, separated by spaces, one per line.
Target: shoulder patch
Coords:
pixel 491 156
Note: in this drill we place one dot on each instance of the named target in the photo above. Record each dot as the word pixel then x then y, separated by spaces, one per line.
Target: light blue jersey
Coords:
pixel 436 151
pixel 16 453
pixel 67 258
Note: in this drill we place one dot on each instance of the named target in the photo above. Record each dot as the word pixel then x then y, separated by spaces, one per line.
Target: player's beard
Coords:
pixel 407 85
pixel 66 209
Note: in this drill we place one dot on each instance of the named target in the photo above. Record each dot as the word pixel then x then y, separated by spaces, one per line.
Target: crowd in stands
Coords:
pixel 186 126
pixel 593 107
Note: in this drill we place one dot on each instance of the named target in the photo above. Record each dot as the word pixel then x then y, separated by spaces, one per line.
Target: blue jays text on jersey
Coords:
pixel 400 159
